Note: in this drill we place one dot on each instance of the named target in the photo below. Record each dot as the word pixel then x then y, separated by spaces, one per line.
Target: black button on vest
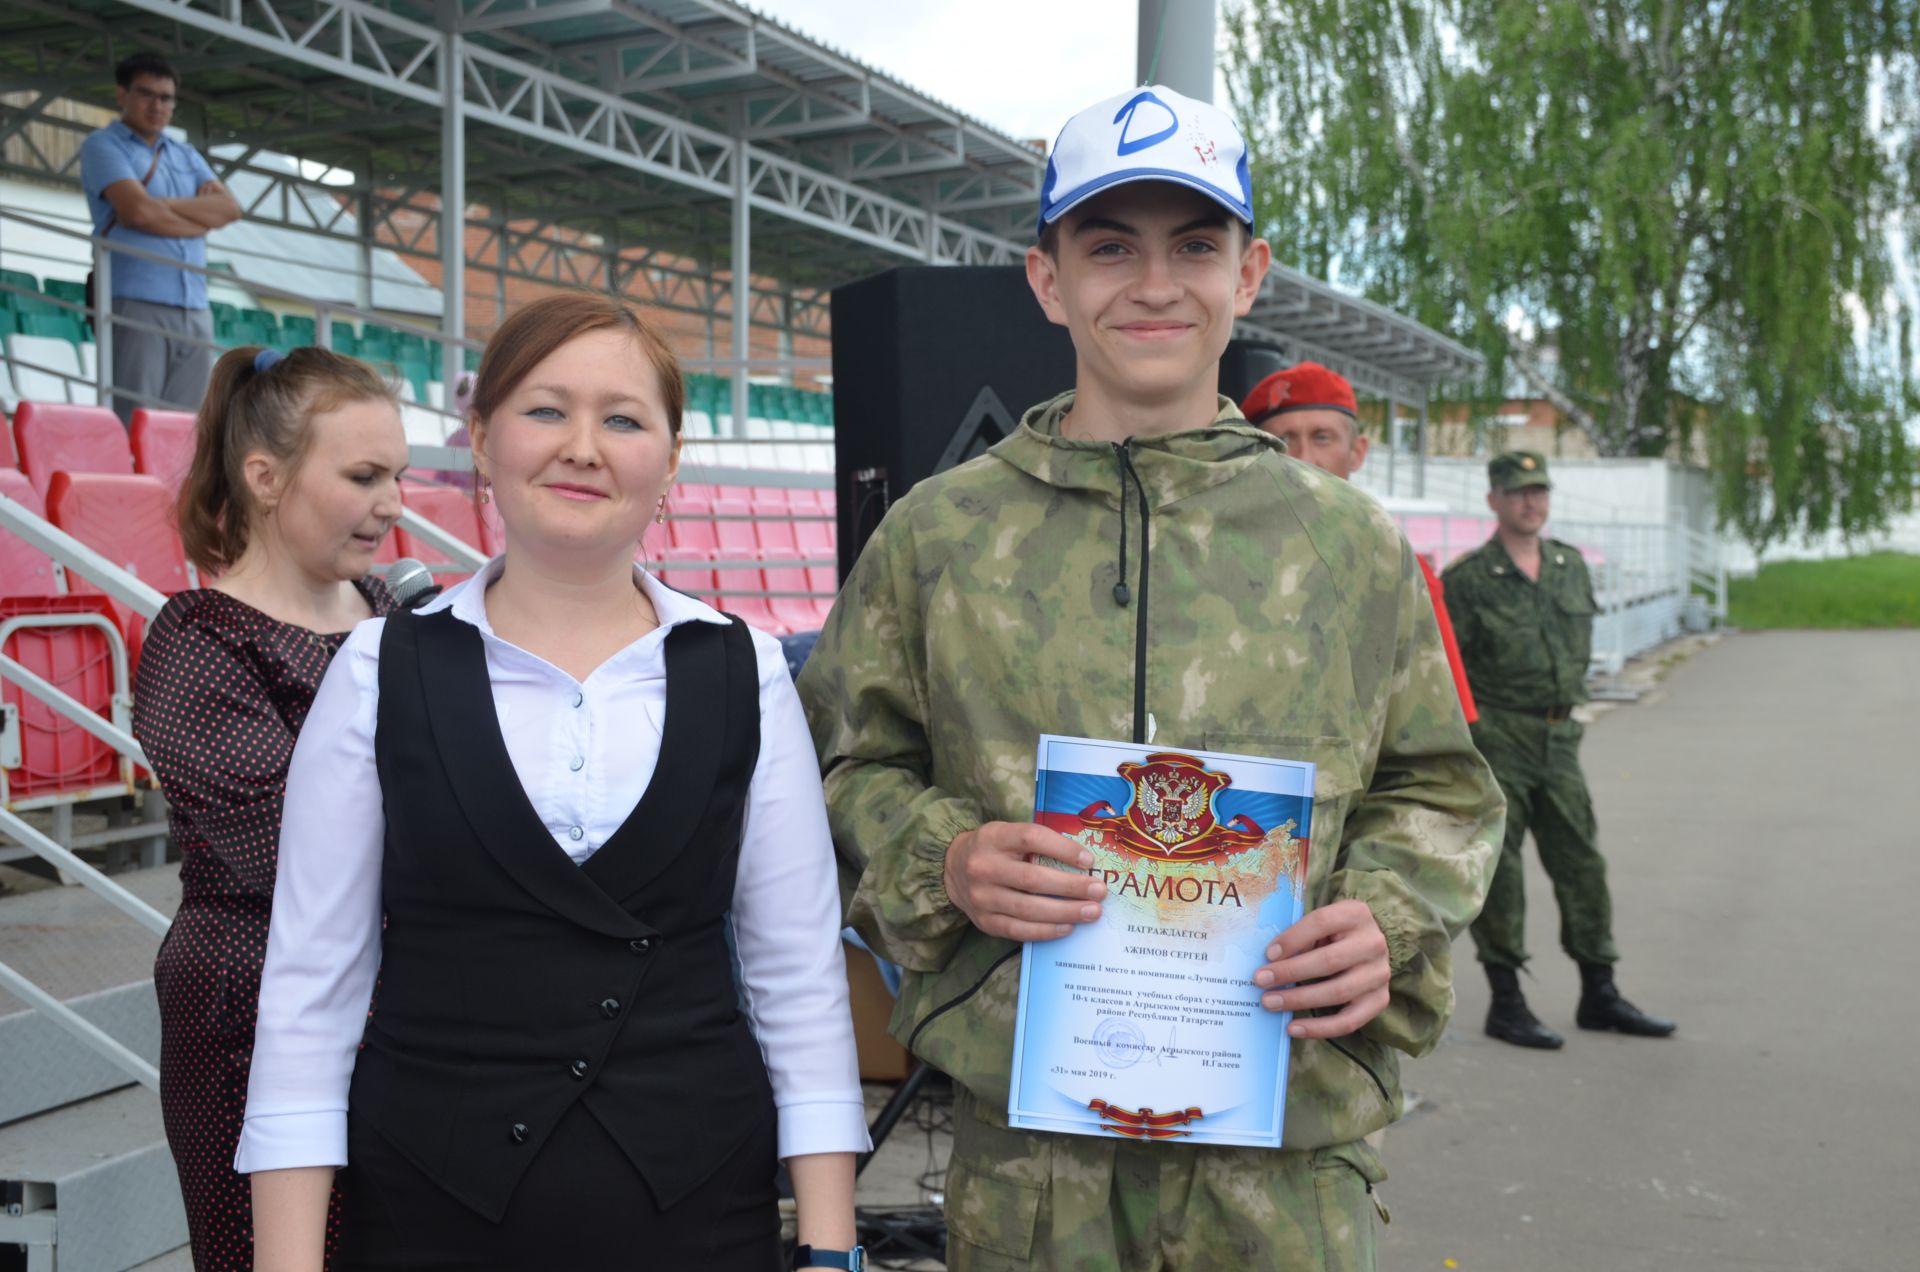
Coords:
pixel 499 951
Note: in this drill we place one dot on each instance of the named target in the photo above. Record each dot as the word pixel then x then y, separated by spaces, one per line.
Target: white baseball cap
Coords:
pixel 1148 134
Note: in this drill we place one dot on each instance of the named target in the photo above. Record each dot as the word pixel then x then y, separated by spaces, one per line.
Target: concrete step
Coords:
pixel 94 1181
pixel 97 960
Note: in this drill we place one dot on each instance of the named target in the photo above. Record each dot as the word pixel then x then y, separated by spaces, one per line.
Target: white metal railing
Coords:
pixel 76 558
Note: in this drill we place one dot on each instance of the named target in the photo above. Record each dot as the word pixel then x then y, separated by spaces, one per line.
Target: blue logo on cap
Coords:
pixel 1127 113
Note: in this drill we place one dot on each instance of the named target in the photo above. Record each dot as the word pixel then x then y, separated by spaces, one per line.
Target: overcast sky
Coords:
pixel 1021 66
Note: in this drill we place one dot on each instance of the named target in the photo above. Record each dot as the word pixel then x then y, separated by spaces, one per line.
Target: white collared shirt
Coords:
pixel 584 752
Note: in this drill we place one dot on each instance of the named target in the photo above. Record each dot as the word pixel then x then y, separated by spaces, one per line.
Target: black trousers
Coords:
pixel 581 1207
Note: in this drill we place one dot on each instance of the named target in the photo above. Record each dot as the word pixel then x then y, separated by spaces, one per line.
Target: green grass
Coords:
pixel 1879 590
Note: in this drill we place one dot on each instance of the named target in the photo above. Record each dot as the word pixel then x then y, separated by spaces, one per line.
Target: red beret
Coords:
pixel 1306 387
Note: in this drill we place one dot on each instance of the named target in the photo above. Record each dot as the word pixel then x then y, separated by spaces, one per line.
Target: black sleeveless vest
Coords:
pixel 514 983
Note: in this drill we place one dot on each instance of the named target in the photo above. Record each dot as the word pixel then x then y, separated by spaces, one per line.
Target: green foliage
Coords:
pixel 1880 590
pixel 1688 202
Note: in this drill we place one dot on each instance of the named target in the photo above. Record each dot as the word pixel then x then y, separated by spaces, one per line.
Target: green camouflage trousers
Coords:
pixel 1538 765
pixel 1073 1203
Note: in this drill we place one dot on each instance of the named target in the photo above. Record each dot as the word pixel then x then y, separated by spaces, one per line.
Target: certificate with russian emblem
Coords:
pixel 1146 1023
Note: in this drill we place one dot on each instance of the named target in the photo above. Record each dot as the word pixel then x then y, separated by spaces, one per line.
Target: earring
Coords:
pixel 660 512
pixel 486 496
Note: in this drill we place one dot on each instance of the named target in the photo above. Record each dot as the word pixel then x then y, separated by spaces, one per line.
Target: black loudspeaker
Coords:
pixel 1246 363
pixel 934 364
pixel 931 366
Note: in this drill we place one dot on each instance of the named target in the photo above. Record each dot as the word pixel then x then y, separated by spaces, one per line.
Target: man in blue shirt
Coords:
pixel 147 190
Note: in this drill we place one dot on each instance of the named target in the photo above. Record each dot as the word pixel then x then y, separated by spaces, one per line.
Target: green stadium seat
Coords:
pixel 32 304
pixel 296 330
pixel 18 278
pixel 65 289
pixel 61 325
pixel 417 371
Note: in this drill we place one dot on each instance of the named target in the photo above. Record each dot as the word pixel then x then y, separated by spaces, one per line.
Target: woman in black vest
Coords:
pixel 554 784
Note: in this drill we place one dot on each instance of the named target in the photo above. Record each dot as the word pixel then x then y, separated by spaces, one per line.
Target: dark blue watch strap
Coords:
pixel 854 1260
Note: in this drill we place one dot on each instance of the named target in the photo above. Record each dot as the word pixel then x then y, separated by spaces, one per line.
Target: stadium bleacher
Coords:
pixel 48 355
pixel 763 552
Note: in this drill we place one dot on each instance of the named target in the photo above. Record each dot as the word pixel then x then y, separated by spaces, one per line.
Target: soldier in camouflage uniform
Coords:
pixel 1523 612
pixel 1135 561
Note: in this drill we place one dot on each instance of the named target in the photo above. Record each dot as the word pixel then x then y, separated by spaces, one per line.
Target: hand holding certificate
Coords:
pixel 1147 1023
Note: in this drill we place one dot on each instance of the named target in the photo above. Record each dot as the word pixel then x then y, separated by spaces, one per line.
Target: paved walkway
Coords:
pixel 1761 816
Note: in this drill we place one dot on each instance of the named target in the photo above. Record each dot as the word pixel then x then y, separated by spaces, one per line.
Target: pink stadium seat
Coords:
pixel 824 578
pixel 689 501
pixel 774 532
pixel 755 609
pixel 770 501
pixel 9 458
pixel 127 519
pixel 731 527
pixel 73 439
pixel 814 538
pixel 686 570
pixel 24 570
pixel 690 520
pixel 797 613
pixel 447 507
pixel 57 756
pixel 1424 531
pixel 163 444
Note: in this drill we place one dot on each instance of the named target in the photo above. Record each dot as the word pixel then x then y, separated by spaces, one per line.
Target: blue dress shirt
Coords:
pixel 116 153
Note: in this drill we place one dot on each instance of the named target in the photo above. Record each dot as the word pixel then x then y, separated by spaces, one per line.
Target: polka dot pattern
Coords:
pixel 220 695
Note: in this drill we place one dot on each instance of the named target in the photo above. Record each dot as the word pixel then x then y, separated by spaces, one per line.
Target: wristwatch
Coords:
pixel 854 1260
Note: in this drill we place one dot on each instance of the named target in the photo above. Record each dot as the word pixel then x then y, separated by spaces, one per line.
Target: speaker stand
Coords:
pixel 900 1232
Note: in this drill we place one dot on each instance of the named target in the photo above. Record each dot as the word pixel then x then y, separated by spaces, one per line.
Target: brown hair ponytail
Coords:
pixel 258 401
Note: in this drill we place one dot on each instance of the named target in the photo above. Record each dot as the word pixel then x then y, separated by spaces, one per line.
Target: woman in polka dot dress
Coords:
pixel 294 483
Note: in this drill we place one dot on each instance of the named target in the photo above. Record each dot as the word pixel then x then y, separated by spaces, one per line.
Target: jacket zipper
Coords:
pixel 1123 456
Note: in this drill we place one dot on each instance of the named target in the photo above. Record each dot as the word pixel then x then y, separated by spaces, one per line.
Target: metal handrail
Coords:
pixel 80 1027
pixel 463 553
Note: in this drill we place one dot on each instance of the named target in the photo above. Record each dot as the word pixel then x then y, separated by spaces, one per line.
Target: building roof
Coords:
pixel 635 122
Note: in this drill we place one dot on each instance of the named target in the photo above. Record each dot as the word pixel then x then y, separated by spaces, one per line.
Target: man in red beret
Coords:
pixel 1313 411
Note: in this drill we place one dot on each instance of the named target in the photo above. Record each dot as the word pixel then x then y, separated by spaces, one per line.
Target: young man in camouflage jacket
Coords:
pixel 1136 562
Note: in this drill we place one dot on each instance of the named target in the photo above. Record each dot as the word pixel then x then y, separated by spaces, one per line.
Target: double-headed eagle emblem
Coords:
pixel 1171 815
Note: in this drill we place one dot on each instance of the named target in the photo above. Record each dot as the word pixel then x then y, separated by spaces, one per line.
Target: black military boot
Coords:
pixel 1601 1007
pixel 1508 1018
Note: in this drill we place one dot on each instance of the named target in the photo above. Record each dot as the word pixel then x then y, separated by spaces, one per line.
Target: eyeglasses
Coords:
pixel 158 99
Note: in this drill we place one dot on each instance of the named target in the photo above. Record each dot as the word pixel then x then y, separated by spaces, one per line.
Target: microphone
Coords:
pixel 411 583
